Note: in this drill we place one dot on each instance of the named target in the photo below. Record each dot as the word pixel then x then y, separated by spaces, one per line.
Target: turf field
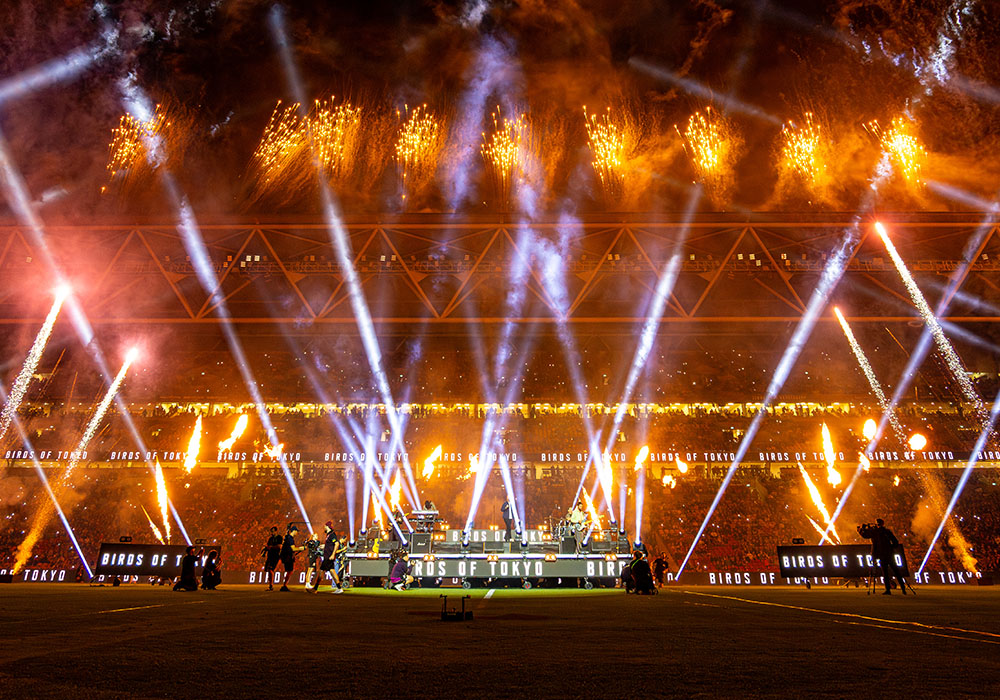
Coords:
pixel 70 641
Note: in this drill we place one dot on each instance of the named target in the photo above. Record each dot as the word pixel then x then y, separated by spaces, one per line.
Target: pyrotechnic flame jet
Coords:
pixel 817 499
pixel 24 550
pixel 640 492
pixel 238 429
pixel 428 471
pixel 194 445
pixel 951 357
pixel 20 386
pixel 162 499
pixel 341 244
pixel 832 475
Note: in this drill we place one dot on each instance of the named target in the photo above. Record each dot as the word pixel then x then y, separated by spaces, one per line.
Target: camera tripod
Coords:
pixel 870 588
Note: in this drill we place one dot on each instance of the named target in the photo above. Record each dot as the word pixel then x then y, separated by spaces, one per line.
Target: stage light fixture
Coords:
pixel 550 557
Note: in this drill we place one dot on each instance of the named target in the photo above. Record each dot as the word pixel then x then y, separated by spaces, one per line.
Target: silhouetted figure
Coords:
pixel 506 513
pixel 188 581
pixel 883 543
pixel 271 553
pixel 210 575
pixel 642 577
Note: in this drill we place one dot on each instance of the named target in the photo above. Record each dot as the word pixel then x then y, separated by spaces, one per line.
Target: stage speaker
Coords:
pixel 420 543
pixel 621 547
pixel 567 545
pixel 600 546
pixel 496 547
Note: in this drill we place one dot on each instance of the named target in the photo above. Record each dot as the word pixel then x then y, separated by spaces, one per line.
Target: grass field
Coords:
pixel 135 641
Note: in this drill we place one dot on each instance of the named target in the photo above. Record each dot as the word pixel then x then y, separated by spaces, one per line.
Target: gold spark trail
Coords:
pixel 950 356
pixel 20 387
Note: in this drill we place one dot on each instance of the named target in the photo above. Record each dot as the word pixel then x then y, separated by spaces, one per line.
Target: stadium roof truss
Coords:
pixel 449 272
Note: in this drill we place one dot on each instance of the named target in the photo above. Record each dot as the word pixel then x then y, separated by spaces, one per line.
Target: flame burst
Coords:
pixel 917 442
pixel 130 139
pixel 394 491
pixel 713 146
pixel 832 475
pixel 595 517
pixel 274 452
pixel 418 146
pixel 194 445
pixel 162 499
pixel 611 139
pixel 503 151
pixel 682 467
pixel 640 458
pixel 901 143
pixel 820 530
pixel 669 480
pixel 152 526
pixel 802 151
pixel 378 513
pixel 17 391
pixel 865 463
pixel 428 470
pixel 238 430
pixel 473 463
pixel 869 429
pixel 817 499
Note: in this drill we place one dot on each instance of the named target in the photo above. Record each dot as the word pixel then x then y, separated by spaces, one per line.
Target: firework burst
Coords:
pixel 802 152
pixel 130 139
pixel 418 145
pixel 282 142
pixel 335 131
pixel 902 145
pixel 713 146
pixel 612 138
pixel 504 151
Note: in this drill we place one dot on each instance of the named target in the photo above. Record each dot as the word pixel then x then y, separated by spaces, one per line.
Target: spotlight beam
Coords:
pixel 832 272
pixel 339 238
pixel 138 104
pixel 970 465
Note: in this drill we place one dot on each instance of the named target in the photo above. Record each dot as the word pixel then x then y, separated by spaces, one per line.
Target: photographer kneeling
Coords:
pixel 883 543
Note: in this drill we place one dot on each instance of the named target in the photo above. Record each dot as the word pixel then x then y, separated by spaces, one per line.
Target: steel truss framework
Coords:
pixel 442 271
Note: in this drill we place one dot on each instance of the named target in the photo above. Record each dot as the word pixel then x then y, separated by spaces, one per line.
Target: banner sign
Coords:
pixel 120 559
pixel 841 561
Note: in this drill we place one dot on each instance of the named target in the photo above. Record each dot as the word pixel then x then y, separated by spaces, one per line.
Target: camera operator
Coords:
pixel 883 543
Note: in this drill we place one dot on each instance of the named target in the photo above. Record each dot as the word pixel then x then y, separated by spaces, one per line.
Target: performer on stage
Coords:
pixel 271 553
pixel 430 507
pixel 577 519
pixel 332 550
pixel 507 512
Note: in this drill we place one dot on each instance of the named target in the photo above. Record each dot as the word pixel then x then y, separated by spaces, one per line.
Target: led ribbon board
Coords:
pixel 842 560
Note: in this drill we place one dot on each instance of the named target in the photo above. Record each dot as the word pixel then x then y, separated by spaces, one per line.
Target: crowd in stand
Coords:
pixel 760 510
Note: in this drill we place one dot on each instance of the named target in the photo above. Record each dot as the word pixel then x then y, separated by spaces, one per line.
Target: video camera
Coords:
pixel 866 530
